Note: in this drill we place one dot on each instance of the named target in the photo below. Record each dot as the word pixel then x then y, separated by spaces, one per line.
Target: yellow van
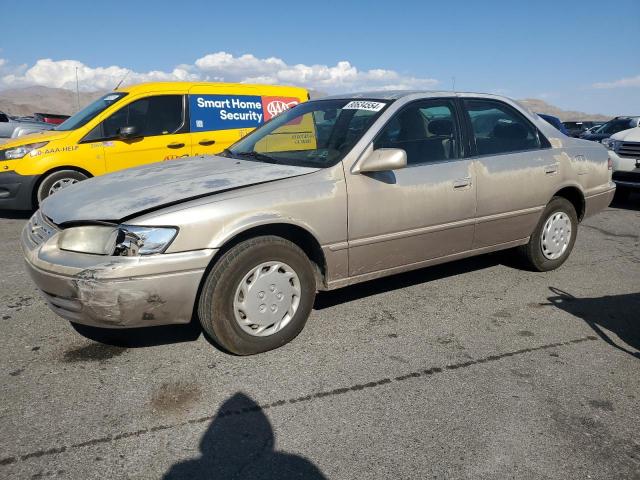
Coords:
pixel 132 126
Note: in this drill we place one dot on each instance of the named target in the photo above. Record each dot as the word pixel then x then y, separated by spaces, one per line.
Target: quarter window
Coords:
pixel 152 116
pixel 426 131
pixel 497 128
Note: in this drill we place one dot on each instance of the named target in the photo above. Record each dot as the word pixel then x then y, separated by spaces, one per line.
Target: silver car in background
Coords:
pixel 328 194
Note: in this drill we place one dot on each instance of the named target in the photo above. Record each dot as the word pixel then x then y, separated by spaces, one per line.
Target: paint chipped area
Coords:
pixel 125 193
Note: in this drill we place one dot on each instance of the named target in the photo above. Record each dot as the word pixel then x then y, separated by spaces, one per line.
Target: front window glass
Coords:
pixel 615 126
pixel 151 116
pixel 316 134
pixel 89 112
pixel 499 129
pixel 426 131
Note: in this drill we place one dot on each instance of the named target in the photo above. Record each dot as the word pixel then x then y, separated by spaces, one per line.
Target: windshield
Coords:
pixel 314 134
pixel 90 111
pixel 615 126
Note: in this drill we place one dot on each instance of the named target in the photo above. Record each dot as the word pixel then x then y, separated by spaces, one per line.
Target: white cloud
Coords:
pixel 623 82
pixel 219 66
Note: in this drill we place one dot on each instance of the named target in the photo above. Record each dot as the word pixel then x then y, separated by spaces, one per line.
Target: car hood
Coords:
pixel 42 136
pixel 127 193
pixel 630 135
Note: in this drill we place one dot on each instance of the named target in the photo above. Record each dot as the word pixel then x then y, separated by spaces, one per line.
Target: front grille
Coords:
pixel 626 176
pixel 40 229
pixel 629 149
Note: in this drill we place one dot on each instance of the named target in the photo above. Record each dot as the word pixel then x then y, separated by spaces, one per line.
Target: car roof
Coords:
pixel 173 86
pixel 397 94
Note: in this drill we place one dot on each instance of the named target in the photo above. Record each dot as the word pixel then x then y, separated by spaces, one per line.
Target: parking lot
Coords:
pixel 475 369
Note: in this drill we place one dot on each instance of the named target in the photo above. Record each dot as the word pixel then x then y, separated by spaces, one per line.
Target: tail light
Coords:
pixel 609 163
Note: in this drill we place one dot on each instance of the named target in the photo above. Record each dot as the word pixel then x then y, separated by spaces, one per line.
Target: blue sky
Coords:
pixel 554 50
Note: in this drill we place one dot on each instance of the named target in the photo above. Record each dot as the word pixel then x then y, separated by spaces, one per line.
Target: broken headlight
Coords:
pixel 124 240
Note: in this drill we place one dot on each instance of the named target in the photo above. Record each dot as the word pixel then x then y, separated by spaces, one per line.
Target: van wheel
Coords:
pixel 554 236
pixel 258 296
pixel 56 181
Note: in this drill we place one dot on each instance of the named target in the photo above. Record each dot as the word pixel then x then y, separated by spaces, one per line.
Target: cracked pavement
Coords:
pixel 474 369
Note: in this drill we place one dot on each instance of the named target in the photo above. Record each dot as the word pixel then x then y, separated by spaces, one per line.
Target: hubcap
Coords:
pixel 556 235
pixel 61 184
pixel 267 298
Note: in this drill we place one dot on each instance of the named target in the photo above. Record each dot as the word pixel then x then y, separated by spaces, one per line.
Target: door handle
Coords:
pixel 206 142
pixel 551 169
pixel 175 145
pixel 462 182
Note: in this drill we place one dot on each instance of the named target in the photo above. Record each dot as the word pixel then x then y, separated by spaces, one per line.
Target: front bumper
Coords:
pixel 16 191
pixel 626 171
pixel 115 292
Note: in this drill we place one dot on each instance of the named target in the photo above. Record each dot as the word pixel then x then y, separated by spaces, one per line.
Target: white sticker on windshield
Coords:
pixel 108 98
pixel 364 105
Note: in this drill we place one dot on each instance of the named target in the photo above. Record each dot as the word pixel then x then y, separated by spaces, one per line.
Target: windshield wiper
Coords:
pixel 261 157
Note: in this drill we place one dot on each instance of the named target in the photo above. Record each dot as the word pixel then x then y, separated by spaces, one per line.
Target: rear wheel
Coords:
pixel 56 181
pixel 554 236
pixel 258 295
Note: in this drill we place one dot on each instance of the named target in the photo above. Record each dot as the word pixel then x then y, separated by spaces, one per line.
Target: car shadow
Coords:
pixel 169 334
pixel 616 313
pixel 414 277
pixel 239 443
pixel 631 202
pixel 141 337
pixel 15 214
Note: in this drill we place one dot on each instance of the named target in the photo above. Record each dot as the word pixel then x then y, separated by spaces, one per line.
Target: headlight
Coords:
pixel 611 144
pixel 124 240
pixel 21 151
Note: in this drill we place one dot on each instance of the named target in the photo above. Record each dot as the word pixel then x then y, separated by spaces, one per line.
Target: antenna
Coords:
pixel 77 90
pixel 120 82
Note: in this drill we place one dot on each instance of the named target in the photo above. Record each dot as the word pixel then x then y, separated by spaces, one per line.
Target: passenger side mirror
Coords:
pixel 128 132
pixel 382 160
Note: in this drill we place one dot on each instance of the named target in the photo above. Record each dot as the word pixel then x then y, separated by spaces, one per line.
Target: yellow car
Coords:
pixel 136 125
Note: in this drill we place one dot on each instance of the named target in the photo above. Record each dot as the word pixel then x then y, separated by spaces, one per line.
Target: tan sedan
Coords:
pixel 330 193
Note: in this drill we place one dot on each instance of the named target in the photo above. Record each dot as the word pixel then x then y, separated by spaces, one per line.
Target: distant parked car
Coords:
pixel 555 121
pixel 13 127
pixel 624 151
pixel 575 129
pixel 612 127
pixel 52 118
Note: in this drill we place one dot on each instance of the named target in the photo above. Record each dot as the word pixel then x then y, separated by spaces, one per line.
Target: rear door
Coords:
pixel 162 132
pixel 422 212
pixel 515 168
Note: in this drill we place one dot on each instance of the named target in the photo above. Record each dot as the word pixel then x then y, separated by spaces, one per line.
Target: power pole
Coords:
pixel 77 90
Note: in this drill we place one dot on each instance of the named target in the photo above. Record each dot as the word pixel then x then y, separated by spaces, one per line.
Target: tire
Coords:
pixel 221 312
pixel 534 254
pixel 60 178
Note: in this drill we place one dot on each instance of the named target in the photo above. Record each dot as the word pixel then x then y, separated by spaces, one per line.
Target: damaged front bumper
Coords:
pixel 113 292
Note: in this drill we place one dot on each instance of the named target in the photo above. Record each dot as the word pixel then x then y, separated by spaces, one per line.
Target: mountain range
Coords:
pixel 28 100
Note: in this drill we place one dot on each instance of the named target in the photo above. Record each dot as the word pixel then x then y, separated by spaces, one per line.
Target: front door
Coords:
pixel 161 132
pixel 422 212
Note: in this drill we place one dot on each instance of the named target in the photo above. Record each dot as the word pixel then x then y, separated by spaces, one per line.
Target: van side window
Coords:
pixel 498 128
pixel 425 130
pixel 161 115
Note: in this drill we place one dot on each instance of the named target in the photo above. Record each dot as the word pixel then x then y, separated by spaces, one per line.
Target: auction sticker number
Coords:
pixel 364 105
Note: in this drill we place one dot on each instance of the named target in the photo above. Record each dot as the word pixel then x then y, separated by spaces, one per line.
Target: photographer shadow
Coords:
pixel 239 443
pixel 616 313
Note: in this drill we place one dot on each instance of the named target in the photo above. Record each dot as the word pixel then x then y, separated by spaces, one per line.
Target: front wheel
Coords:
pixel 554 236
pixel 56 181
pixel 257 296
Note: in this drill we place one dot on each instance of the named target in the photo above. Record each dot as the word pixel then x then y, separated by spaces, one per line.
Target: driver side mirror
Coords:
pixel 382 160
pixel 128 132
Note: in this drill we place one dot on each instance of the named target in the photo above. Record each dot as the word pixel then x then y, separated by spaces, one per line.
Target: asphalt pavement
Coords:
pixel 474 369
